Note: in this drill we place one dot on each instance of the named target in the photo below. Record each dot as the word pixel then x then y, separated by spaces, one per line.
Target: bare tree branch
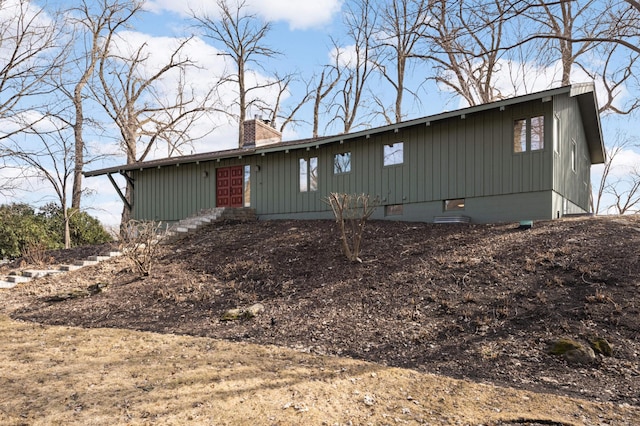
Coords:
pixel 242 36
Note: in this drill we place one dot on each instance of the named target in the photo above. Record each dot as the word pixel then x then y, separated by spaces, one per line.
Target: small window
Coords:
pixel 528 134
pixel 574 155
pixel 342 163
pixel 520 136
pixel 313 174
pixel 451 205
pixel 247 185
pixel 393 154
pixel 556 133
pixel 308 174
pixel 393 210
pixel 537 133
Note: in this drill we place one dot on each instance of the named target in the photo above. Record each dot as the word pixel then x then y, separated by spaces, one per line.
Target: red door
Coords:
pixel 229 182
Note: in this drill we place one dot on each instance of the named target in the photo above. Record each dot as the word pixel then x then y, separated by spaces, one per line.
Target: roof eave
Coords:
pixel 588 104
pixel 586 99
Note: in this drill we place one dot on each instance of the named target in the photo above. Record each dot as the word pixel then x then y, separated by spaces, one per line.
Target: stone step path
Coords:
pixel 178 230
pixel 204 217
pixel 25 275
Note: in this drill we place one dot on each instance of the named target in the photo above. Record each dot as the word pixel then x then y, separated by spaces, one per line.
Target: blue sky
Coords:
pixel 302 32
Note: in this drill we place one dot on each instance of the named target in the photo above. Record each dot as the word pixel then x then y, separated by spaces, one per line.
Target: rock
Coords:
pixel 369 400
pixel 582 355
pixel 242 313
pixel 232 314
pixel 601 346
pixel 254 310
pixel 96 288
pixel 574 352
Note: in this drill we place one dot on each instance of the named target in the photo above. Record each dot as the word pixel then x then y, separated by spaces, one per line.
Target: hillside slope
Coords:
pixel 478 302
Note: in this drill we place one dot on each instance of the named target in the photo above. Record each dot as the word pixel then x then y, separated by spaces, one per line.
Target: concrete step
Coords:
pixel 67 268
pixel 7 284
pixel 27 275
pixel 36 273
pixel 98 258
pixel 17 279
pixel 85 262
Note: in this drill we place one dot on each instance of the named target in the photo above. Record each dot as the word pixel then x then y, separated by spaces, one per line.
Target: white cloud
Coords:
pixel 624 162
pixel 513 78
pixel 298 14
pixel 345 55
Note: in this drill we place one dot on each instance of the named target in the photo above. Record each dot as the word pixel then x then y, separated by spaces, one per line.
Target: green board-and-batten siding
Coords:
pixel 470 157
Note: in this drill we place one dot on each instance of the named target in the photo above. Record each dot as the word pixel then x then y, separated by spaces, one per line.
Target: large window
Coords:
pixel 393 154
pixel 342 163
pixel 308 174
pixel 528 134
pixel 574 155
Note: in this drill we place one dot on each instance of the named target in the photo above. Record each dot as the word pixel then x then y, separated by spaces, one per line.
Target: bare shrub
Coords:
pixel 139 242
pixel 351 212
pixel 35 253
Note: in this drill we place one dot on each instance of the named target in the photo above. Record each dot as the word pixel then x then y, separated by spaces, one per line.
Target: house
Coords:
pixel 524 158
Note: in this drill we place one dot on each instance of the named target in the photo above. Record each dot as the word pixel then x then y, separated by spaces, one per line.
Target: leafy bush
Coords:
pixel 21 227
pixel 85 229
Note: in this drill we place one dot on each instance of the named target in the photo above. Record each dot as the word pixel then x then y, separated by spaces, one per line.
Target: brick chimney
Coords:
pixel 258 132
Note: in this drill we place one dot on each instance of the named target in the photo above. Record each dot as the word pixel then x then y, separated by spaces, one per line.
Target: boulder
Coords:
pixel 572 351
pixel 600 345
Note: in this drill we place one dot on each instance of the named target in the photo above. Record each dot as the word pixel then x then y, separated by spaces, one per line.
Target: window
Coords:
pixel 556 133
pixel 528 134
pixel 457 204
pixel 313 174
pixel 308 174
pixel 247 185
pixel 393 210
pixel 537 133
pixel 574 155
pixel 393 154
pixel 520 136
pixel 342 163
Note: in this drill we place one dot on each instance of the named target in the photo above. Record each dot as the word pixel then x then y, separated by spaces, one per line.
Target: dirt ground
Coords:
pixel 481 303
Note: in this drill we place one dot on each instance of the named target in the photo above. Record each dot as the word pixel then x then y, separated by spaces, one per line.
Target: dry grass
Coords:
pixel 63 375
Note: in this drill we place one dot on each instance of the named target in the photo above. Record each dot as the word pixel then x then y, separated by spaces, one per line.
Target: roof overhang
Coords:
pixel 585 94
pixel 588 103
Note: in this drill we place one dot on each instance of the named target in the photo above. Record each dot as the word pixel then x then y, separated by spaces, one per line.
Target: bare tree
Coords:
pixel 45 152
pixel 144 115
pixel 327 82
pixel 622 185
pixel 572 33
pixel 402 24
pixel 275 112
pixel 562 22
pixel 360 20
pixel 465 46
pixel 626 192
pixel 93 23
pixel 28 54
pixel 618 22
pixel 243 38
